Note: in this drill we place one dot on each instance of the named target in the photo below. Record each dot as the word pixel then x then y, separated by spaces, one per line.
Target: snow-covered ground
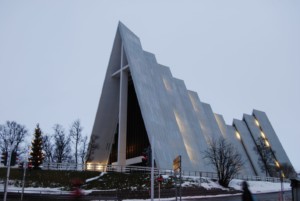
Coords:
pixel 260 186
pixel 255 186
pixel 38 190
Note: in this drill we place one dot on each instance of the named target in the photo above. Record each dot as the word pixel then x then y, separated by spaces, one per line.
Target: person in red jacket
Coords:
pixel 77 193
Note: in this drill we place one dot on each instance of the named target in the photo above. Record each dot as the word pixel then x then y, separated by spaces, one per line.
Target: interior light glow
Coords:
pixel 238 136
pixel 194 103
pixel 277 164
pixel 256 122
pixel 184 132
pixel 267 143
pixel 180 123
pixel 221 125
pixel 96 167
pixel 262 134
pixel 167 85
pixel 90 166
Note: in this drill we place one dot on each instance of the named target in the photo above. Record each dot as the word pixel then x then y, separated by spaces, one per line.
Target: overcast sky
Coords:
pixel 238 56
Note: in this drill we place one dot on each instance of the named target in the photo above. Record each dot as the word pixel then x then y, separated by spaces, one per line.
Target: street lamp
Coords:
pixel 10 150
pixel 25 164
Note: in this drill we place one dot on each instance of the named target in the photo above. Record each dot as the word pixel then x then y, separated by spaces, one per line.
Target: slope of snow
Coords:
pixel 95 178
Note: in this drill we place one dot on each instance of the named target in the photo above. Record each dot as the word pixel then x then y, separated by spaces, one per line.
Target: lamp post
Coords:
pixel 159 180
pixel 10 150
pixel 24 173
pixel 152 169
pixel 281 185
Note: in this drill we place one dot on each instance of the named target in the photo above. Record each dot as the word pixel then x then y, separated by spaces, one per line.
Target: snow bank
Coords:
pixel 95 178
pixel 259 186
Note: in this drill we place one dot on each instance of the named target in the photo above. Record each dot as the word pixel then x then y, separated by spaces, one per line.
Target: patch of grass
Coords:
pixel 122 185
pixel 123 181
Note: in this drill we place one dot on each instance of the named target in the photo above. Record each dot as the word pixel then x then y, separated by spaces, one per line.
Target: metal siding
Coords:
pixel 253 128
pixel 194 140
pixel 107 113
pixel 229 134
pixel 268 130
pixel 215 130
pixel 206 133
pixel 249 145
pixel 148 98
pixel 221 124
pixel 203 121
pixel 247 167
pixel 174 117
pixel 165 118
pixel 169 99
pixel 154 108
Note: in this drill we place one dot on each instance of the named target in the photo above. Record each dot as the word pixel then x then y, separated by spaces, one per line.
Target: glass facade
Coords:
pixel 137 138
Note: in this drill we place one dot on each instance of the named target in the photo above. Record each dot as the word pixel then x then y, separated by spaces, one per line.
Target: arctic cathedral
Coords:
pixel 143 106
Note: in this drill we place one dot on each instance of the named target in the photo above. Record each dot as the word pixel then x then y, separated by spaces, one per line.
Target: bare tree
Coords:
pixel 225 158
pixel 62 144
pixel 75 134
pixel 267 159
pixel 83 150
pixel 11 132
pixel 288 170
pixel 48 148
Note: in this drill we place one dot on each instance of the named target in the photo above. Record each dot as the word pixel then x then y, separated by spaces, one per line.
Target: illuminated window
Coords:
pixel 256 122
pixel 95 167
pixel 267 143
pixel 277 164
pixel 262 134
pixel 89 166
pixel 238 136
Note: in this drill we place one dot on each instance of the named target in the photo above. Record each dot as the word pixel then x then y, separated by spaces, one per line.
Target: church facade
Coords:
pixel 142 106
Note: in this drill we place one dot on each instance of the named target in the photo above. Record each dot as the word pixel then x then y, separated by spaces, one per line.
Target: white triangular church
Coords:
pixel 141 101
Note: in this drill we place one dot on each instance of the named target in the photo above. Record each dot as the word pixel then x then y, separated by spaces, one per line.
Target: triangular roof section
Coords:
pixel 164 102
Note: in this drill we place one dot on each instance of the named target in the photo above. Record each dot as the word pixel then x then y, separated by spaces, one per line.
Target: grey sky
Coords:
pixel 238 56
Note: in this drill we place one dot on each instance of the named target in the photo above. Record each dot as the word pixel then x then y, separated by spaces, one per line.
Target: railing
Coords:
pixel 48 195
pixel 35 192
pixel 128 169
pixel 63 166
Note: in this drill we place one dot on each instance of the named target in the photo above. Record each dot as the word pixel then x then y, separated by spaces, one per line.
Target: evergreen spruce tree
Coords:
pixel 37 155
